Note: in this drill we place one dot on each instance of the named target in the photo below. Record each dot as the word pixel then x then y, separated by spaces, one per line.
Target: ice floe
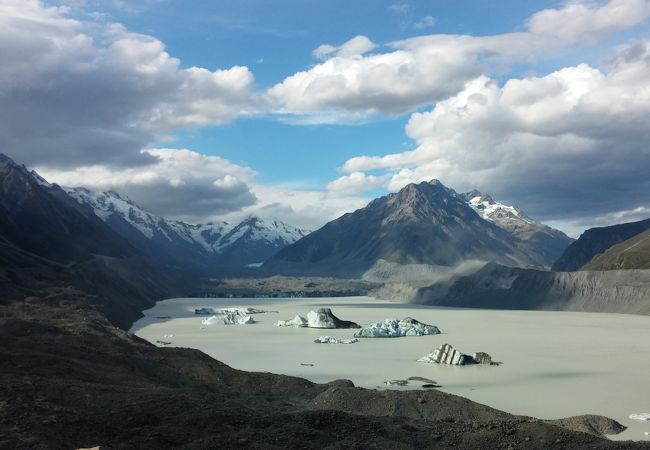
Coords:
pixel 297 321
pixel 333 340
pixel 228 319
pixel 446 354
pixel 237 310
pixel 397 328
pixel 321 318
pixel 641 416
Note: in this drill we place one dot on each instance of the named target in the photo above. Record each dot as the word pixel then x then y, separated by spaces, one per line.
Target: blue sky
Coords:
pixel 275 39
pixel 304 110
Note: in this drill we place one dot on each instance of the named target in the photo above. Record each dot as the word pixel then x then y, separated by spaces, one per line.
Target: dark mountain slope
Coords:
pixel 44 220
pixel 499 287
pixel 424 223
pixel 206 248
pixel 48 239
pixel 631 254
pixel 595 241
pixel 540 241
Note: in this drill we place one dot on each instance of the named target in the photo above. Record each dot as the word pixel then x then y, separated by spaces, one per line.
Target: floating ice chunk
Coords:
pixel 325 318
pixel 228 319
pixel 397 328
pixel 641 416
pixel 333 340
pixel 237 310
pixel 297 321
pixel 397 382
pixel 321 318
pixel 446 354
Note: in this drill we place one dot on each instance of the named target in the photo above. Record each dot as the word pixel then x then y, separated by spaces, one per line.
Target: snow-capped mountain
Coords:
pixel 426 223
pixel 509 218
pixel 209 245
pixel 544 241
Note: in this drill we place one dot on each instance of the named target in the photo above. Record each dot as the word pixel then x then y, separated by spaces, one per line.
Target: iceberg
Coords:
pixel 237 310
pixel 446 354
pixel 321 318
pixel 325 318
pixel 397 328
pixel 228 319
pixel 333 340
pixel 297 321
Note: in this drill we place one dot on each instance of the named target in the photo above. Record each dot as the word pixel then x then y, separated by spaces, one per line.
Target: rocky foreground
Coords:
pixel 69 379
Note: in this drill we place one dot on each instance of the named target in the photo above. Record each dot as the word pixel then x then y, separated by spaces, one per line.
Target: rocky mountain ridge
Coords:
pixel 595 241
pixel 633 253
pixel 205 246
pixel 425 223
pixel 533 237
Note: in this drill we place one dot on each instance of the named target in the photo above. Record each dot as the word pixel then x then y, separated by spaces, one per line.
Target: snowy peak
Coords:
pixel 265 230
pixel 109 203
pixel 222 243
pixel 533 237
pixel 496 212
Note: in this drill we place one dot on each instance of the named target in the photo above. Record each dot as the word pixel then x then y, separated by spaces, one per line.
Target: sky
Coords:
pixel 303 110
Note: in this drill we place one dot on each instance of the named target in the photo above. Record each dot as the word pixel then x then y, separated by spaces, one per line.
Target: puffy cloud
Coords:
pixel 400 8
pixel 180 183
pixel 74 92
pixel 354 184
pixel 356 46
pixel 305 208
pixel 424 70
pixel 390 83
pixel 425 22
pixel 569 144
pixel 581 21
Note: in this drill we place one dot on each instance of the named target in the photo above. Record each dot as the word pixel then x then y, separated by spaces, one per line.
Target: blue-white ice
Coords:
pixel 397 328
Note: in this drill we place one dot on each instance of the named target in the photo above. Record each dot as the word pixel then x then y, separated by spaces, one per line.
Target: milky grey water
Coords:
pixel 555 364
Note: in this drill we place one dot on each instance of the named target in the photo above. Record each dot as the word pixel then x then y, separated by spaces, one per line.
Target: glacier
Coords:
pixel 397 328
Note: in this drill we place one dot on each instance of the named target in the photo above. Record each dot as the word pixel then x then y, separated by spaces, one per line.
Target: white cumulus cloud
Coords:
pixel 572 143
pixel 76 92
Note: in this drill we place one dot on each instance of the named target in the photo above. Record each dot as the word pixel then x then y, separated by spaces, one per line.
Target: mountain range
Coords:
pixel 425 223
pixel 207 247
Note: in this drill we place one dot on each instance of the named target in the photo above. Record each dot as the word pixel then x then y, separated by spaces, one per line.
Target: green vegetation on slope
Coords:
pixel 631 254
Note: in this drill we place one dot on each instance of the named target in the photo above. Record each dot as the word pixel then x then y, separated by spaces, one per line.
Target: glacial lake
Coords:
pixel 555 364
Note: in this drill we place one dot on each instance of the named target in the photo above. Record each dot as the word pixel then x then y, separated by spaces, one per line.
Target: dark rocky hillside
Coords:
pixel 424 223
pixel 631 254
pixel 595 241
